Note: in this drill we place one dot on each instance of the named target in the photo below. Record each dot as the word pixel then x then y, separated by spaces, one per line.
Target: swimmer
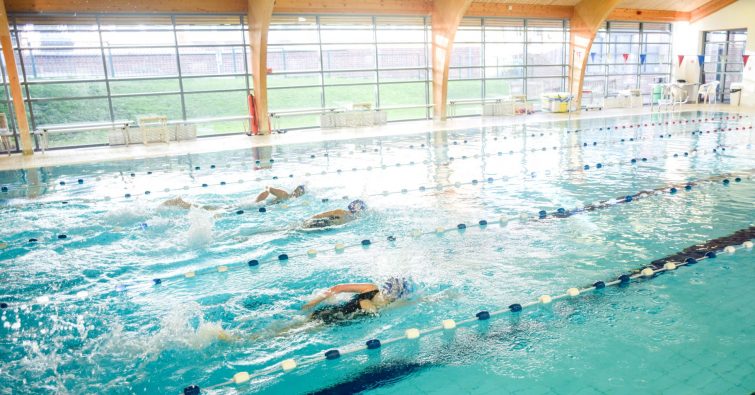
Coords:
pixel 279 194
pixel 336 217
pixel 368 299
pixel 180 203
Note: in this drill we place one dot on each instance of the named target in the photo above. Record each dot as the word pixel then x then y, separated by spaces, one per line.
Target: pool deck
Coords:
pixel 224 143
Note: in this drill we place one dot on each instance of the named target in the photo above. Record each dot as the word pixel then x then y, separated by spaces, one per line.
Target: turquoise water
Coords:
pixel 108 328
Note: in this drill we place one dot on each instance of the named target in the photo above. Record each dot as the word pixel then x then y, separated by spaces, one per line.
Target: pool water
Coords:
pixel 84 248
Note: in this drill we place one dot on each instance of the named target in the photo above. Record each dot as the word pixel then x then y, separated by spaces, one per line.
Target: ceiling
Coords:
pixel 670 5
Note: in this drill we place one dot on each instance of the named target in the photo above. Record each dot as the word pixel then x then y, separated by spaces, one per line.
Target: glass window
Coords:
pixel 501 88
pixel 205 105
pixel 402 55
pixel 289 80
pixel 49 112
pixel 149 64
pixel 141 62
pixel 346 96
pixel 629 55
pixel 403 75
pixel 125 87
pixel 114 39
pixel 518 57
pixel 140 106
pixel 62 90
pixel 285 99
pixel 348 57
pixel 350 77
pixel 504 54
pixel 212 60
pixel 62 63
pixel 297 58
pixel 342 60
pixel 215 83
pixel 723 62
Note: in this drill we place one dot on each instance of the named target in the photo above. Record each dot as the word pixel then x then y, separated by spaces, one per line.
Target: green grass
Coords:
pixel 223 104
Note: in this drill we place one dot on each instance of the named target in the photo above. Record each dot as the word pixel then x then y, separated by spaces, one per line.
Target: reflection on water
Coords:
pixel 98 297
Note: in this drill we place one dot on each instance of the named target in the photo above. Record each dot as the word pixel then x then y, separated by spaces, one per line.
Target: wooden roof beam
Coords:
pixel 631 14
pixel 14 83
pixel 588 17
pixel 446 16
pixel 520 10
pixel 709 8
pixel 259 15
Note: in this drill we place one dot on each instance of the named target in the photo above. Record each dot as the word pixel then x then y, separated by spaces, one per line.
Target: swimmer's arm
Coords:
pixel 340 288
pixel 262 196
pixel 314 302
pixel 358 288
pixel 332 213
pixel 278 193
pixel 177 202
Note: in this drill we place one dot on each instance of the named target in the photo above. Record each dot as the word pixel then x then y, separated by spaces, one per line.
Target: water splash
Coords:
pixel 200 231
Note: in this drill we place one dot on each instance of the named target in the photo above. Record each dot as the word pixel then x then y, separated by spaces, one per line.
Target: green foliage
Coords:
pixel 70 106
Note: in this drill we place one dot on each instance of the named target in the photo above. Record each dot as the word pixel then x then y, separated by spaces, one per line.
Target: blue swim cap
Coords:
pixel 398 288
pixel 357 206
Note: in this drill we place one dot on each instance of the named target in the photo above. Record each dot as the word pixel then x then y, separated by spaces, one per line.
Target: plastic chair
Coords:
pixel 712 93
pixel 679 96
pixel 664 99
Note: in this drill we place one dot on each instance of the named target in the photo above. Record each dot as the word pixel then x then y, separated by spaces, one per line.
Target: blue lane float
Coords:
pixel 558 214
pixel 399 164
pixel 504 134
pixel 741 239
pixel 423 188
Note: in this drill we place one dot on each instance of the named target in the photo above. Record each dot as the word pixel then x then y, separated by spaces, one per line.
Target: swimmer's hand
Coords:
pixel 314 302
pixel 226 336
pixel 368 306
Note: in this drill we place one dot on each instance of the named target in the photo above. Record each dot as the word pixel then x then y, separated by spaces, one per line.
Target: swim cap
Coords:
pixel 299 190
pixel 398 287
pixel 357 206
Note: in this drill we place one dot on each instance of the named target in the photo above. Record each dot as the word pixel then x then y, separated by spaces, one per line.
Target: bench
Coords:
pixel 276 115
pixel 498 106
pixel 43 131
pixel 5 139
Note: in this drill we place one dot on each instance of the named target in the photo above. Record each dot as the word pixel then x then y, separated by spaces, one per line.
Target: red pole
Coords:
pixel 254 125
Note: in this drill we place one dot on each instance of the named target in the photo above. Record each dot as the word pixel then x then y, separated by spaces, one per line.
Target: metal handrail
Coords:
pixel 80 127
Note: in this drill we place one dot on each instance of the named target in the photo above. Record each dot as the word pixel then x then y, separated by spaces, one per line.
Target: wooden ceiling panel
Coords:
pixel 671 5
pixel 661 10
pixel 532 2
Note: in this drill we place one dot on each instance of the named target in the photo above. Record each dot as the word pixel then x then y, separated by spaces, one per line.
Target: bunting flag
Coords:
pixel 625 56
pixel 681 59
pixel 701 59
pixel 592 56
pixel 643 57
pixel 745 58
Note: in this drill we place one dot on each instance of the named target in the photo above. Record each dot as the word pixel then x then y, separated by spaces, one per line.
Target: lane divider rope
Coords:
pixel 338 248
pixel 646 272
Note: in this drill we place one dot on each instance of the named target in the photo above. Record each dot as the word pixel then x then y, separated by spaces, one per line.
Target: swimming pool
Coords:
pixel 97 297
